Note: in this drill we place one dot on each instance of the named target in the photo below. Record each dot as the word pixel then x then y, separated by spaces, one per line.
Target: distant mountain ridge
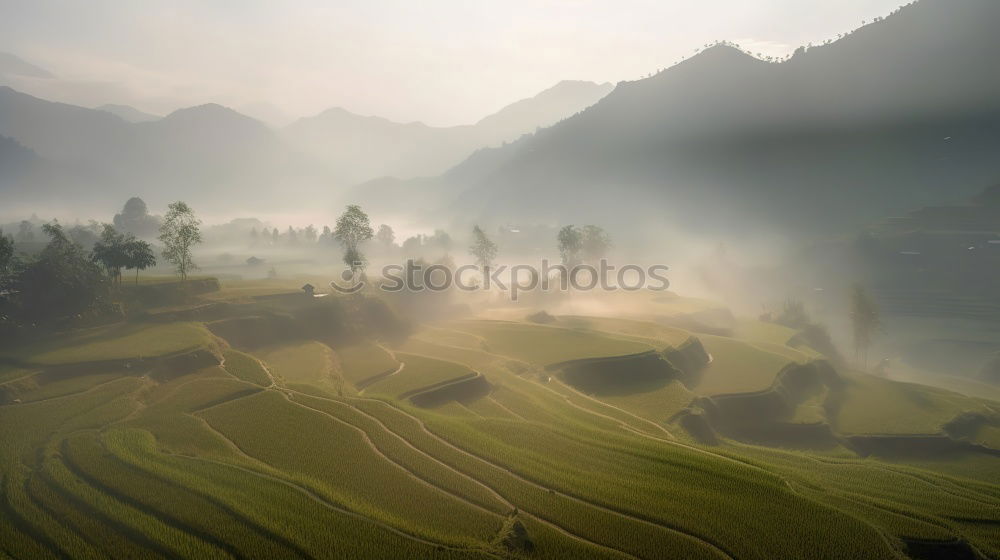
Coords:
pixel 201 150
pixel 215 155
pixel 13 65
pixel 357 148
pixel 900 113
pixel 128 113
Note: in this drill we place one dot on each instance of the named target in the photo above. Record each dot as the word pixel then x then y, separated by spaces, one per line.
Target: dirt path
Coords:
pixel 329 505
pixel 623 425
pixel 505 409
pixel 647 522
pixel 369 381
pixel 481 484
pixel 419 479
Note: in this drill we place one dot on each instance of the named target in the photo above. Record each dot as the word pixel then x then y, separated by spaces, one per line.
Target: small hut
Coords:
pixel 309 289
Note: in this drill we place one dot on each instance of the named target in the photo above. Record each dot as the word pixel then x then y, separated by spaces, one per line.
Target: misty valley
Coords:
pixel 746 306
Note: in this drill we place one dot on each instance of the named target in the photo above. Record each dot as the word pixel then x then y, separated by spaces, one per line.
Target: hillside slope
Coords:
pixel 902 112
pixel 355 148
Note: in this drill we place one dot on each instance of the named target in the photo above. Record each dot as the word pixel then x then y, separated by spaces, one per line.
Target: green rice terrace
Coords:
pixel 253 421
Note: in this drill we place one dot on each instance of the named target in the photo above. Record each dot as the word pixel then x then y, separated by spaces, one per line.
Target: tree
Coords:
pixel 7 263
pixel 179 234
pixel 109 252
pixel 25 231
pixel 865 321
pixel 275 236
pixel 138 255
pixel 310 233
pixel 353 228
pixel 385 235
pixel 441 240
pixel 135 219
pixel 291 236
pixel 326 237
pixel 413 246
pixel 85 236
pixel 793 315
pixel 60 282
pixel 596 243
pixel 570 244
pixel 254 236
pixel 483 248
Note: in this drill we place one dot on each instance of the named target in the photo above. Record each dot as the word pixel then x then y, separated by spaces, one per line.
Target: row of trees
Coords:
pixel 65 281
pixel 384 236
pixel 866 323
pixel 61 281
pixel 115 251
pixel 291 236
pixel 576 245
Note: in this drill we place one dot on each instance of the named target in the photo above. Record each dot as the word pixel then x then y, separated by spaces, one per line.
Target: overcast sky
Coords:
pixel 439 61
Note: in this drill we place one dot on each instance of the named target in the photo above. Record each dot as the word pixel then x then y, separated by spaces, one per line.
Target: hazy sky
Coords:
pixel 439 61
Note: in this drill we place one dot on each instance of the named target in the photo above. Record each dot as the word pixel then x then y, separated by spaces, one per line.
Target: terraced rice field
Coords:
pixel 302 364
pixel 548 345
pixel 876 405
pixel 418 372
pixel 286 453
pixel 363 362
pixel 113 343
pixel 738 367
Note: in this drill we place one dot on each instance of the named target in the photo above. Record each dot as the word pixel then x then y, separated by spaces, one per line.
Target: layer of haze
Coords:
pixel 443 62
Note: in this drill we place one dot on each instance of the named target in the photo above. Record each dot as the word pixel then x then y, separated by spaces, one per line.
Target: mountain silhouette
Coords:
pixel 355 148
pixel 214 155
pixel 904 111
pixel 128 113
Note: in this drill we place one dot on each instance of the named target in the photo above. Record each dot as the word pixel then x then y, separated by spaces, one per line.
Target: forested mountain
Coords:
pixel 902 112
pixel 215 156
pixel 355 148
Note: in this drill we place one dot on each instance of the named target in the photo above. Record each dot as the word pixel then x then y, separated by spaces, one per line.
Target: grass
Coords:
pixel 451 337
pixel 549 345
pixel 363 361
pixel 10 373
pixel 662 334
pixel 398 450
pixel 246 367
pixel 40 386
pixel 599 526
pixel 690 491
pixel 673 304
pixel 158 535
pixel 233 289
pixel 179 506
pixel 302 363
pixel 881 406
pixel 737 367
pixel 761 331
pixel 218 462
pixel 118 342
pixel 657 405
pixel 470 357
pixel 277 507
pixel 989 436
pixel 900 499
pixel 418 372
pixel 811 411
pixel 338 462
pixel 168 415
